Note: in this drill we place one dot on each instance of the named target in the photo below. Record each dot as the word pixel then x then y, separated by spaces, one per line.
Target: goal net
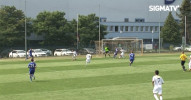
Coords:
pixel 127 44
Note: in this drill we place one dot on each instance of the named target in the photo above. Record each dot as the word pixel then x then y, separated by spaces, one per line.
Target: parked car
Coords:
pixel 188 48
pixel 177 48
pixel 38 53
pixel 5 52
pixel 17 54
pixel 48 52
pixel 62 52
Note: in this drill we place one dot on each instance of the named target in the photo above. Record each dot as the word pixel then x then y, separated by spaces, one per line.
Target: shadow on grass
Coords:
pixel 181 98
pixel 41 81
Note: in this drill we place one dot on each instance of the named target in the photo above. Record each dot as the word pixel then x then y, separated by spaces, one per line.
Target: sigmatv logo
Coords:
pixel 168 2
pixel 167 7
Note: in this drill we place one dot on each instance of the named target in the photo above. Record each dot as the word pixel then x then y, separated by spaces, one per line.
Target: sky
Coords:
pixel 113 10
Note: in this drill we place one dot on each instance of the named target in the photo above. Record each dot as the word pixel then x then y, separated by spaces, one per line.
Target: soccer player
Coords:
pixel 190 64
pixel 30 53
pixel 106 51
pixel 116 52
pixel 157 82
pixel 32 67
pixel 122 55
pixel 131 58
pixel 88 58
pixel 74 55
pixel 183 58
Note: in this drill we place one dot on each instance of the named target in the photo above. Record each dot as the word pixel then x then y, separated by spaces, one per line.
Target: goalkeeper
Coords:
pixel 106 51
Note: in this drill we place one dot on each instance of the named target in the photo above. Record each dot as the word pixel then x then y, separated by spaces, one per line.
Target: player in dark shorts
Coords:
pixel 107 51
pixel 32 67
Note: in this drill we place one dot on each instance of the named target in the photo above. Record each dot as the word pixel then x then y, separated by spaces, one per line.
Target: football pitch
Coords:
pixel 60 78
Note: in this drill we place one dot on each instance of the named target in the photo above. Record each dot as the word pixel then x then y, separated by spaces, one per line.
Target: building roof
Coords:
pixel 139 35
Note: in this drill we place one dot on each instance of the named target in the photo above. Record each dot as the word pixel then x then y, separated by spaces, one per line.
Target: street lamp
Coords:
pixel 25 32
pixel 152 38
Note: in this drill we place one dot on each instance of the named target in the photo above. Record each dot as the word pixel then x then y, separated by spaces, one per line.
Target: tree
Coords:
pixel 54 28
pixel 185 10
pixel 89 30
pixel 170 32
pixel 12 26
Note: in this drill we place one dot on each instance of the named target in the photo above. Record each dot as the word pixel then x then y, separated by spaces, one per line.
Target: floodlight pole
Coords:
pixel 152 37
pixel 159 30
pixel 185 31
pixel 25 33
pixel 99 30
pixel 77 32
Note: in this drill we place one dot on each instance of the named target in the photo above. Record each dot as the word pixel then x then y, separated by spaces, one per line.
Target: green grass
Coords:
pixel 60 78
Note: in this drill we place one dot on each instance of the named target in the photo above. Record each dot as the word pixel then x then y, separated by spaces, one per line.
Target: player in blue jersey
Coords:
pixel 131 58
pixel 32 67
pixel 30 53
pixel 116 52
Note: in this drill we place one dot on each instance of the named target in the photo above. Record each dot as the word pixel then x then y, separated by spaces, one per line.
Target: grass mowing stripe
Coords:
pixel 85 82
pixel 66 61
pixel 115 92
pixel 64 66
pixel 85 72
pixel 141 91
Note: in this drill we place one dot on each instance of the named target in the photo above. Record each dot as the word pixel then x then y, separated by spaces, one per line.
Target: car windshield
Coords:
pixel 58 50
pixel 66 50
pixel 21 51
pixel 39 50
pixel 44 50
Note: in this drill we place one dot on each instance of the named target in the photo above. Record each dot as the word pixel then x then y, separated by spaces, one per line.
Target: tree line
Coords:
pixel 52 26
pixel 58 31
pixel 173 31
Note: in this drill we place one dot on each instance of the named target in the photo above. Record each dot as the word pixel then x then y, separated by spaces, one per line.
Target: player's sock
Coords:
pixel 31 78
pixel 156 97
pixel 183 67
pixel 160 97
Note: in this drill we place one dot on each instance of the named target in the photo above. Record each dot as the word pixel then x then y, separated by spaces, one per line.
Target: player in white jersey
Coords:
pixel 157 82
pixel 122 55
pixel 88 58
pixel 74 55
pixel 190 64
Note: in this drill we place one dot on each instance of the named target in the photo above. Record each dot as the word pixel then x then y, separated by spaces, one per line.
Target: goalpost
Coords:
pixel 127 44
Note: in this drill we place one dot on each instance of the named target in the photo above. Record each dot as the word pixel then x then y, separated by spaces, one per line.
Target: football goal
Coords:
pixel 127 44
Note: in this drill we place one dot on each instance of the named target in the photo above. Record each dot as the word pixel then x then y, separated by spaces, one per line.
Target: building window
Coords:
pixel 139 20
pixel 142 20
pixel 116 29
pixel 142 28
pixel 156 28
pixel 126 28
pixel 146 28
pixel 131 28
pixel 126 19
pixel 151 28
pixel 111 28
pixel 121 28
pixel 137 28
pixel 136 20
